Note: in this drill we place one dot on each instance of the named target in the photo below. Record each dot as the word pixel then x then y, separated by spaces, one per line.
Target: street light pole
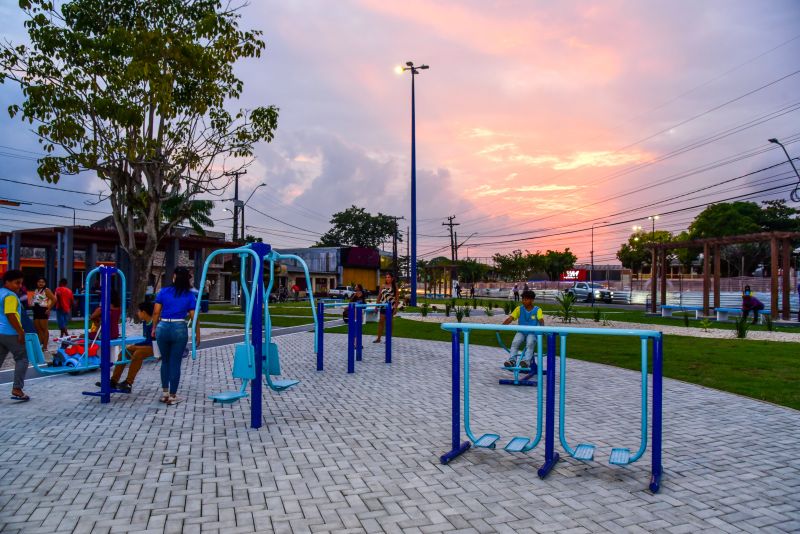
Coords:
pixel 795 196
pixel 69 208
pixel 244 235
pixel 591 271
pixel 413 260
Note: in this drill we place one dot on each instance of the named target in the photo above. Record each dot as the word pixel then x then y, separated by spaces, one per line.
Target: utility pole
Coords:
pixel 237 204
pixel 394 245
pixel 451 224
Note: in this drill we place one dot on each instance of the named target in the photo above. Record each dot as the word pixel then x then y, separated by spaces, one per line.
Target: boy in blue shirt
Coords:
pixel 12 336
pixel 525 315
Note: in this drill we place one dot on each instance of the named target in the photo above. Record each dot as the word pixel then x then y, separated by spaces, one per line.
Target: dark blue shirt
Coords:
pixel 147 332
pixel 175 306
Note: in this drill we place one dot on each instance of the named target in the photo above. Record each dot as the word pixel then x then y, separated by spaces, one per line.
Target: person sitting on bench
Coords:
pixel 525 315
pixel 750 303
pixel 138 352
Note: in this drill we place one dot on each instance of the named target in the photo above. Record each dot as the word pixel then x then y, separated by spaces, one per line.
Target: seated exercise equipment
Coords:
pixel 522 375
pixel 251 360
pixel 583 451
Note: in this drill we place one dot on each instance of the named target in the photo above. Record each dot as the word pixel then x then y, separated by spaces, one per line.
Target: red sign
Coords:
pixel 575 275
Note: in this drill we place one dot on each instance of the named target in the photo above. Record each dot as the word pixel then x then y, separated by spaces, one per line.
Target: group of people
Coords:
pixel 165 320
pixel 386 294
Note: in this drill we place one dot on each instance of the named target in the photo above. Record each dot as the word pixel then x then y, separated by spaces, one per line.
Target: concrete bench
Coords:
pixel 723 313
pixel 667 309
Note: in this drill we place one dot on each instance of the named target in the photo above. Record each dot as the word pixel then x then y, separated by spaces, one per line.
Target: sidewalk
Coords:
pixel 359 453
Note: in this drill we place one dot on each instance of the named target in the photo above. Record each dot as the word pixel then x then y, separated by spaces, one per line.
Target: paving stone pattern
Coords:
pixel 359 453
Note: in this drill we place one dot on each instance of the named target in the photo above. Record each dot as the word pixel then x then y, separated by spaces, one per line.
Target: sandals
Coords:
pixel 19 395
pixel 164 398
pixel 376 340
pixel 173 401
pixel 509 363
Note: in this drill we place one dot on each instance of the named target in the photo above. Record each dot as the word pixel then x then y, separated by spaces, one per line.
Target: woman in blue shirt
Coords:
pixel 174 307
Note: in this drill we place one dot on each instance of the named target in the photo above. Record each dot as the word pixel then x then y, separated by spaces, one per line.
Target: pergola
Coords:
pixel 780 248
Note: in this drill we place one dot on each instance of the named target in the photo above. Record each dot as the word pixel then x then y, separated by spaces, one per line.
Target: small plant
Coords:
pixel 566 308
pixel 488 310
pixel 705 324
pixel 447 308
pixel 434 308
pixel 466 311
pixel 597 314
pixel 768 322
pixel 460 313
pixel 474 304
pixel 742 327
pixel 424 309
pixel 685 319
pixel 604 318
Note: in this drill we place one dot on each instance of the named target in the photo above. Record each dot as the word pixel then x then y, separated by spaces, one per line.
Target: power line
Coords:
pixel 50 187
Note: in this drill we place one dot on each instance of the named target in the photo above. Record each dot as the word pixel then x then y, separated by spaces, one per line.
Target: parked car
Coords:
pixel 590 292
pixel 341 292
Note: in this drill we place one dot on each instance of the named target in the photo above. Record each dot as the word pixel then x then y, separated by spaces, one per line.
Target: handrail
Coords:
pixel 86 306
pixel 451 327
pixel 274 256
pixel 241 251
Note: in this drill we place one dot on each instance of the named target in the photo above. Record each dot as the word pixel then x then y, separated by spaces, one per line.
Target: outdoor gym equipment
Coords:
pixel 77 363
pixel 355 328
pixel 522 375
pixel 583 451
pixel 249 357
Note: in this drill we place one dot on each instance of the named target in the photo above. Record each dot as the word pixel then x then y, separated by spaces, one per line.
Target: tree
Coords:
pixel 511 266
pixel 472 270
pixel 685 256
pixel 135 91
pixel 555 262
pixel 636 253
pixel 358 228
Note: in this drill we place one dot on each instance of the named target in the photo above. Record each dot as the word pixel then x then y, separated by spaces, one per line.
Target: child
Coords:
pixel 139 352
pixel 526 315
pixel 750 303
pixel 12 336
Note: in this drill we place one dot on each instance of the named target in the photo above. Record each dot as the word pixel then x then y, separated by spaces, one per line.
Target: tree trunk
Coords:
pixel 141 266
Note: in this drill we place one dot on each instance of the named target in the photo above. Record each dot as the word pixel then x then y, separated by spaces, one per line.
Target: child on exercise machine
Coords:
pixel 526 315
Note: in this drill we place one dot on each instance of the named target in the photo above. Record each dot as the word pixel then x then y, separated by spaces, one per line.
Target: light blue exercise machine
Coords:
pixel 355 328
pixel 522 375
pixel 649 339
pixel 250 360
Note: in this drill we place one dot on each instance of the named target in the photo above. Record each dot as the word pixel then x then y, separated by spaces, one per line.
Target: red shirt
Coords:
pixel 64 298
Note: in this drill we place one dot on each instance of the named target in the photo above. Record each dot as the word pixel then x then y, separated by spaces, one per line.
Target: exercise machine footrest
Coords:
pixel 227 397
pixel 584 452
pixel 517 444
pixel 620 456
pixel 487 441
pixel 280 385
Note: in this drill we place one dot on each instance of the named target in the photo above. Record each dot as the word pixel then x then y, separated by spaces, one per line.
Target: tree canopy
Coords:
pixel 517 266
pixel 358 228
pixel 136 92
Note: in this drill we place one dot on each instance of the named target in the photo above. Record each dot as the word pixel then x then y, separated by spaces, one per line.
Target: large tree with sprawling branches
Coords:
pixel 138 92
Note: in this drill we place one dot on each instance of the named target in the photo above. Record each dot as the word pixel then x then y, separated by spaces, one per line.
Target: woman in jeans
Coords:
pixel 43 302
pixel 174 307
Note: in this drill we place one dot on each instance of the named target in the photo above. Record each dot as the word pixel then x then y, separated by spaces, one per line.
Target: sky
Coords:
pixel 536 120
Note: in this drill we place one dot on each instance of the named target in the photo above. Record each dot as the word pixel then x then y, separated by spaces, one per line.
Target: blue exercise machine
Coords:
pixel 522 375
pixel 250 360
pixel 583 451
pixel 355 329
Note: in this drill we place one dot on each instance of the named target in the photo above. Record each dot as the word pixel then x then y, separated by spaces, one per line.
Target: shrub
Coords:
pixel 424 309
pixel 705 324
pixel 488 310
pixel 507 307
pixel 447 308
pixel 685 319
pixel 474 304
pixel 604 318
pixel 769 323
pixel 466 311
pixel 566 308
pixel 460 313
pixel 742 327
pixel 597 314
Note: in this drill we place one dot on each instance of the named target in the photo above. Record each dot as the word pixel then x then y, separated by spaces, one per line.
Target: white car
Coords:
pixel 341 292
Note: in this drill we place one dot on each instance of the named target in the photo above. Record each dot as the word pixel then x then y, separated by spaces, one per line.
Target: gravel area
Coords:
pixel 584 323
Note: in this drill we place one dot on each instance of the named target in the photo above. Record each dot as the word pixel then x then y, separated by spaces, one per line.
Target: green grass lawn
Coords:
pixel 765 370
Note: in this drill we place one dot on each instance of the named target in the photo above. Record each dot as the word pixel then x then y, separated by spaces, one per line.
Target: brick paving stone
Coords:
pixel 359 453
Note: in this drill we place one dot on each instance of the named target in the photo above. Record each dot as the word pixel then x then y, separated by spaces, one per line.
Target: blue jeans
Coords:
pixel 171 339
pixel 530 344
pixel 62 317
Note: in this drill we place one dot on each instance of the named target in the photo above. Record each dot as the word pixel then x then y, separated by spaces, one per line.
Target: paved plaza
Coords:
pixel 359 453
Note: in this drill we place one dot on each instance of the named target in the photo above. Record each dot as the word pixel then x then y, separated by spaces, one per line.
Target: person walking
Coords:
pixel 64 302
pixel 43 302
pixel 12 336
pixel 174 307
pixel 388 294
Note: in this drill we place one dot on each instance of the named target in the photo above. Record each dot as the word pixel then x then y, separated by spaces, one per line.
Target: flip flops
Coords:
pixel 21 396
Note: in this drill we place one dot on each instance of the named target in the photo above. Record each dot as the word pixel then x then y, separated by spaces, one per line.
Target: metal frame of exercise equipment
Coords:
pixel 583 452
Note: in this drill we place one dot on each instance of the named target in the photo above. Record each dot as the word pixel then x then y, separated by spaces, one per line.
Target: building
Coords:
pixel 330 267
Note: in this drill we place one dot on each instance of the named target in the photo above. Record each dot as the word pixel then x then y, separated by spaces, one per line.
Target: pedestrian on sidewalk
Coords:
pixel 12 336
pixel 174 307
pixel 43 302
pixel 64 302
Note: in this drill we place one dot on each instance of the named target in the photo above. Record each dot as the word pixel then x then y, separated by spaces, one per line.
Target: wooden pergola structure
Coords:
pixel 780 249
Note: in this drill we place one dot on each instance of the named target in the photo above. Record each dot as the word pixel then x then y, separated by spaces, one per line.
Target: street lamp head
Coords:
pixel 398 69
pixel 423 67
pixel 653 217
pixel 773 140
pixel 409 63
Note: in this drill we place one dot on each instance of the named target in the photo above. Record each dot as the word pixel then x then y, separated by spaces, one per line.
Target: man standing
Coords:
pixel 12 336
pixel 64 301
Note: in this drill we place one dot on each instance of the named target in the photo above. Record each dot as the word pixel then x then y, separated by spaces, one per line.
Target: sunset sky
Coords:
pixel 535 118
